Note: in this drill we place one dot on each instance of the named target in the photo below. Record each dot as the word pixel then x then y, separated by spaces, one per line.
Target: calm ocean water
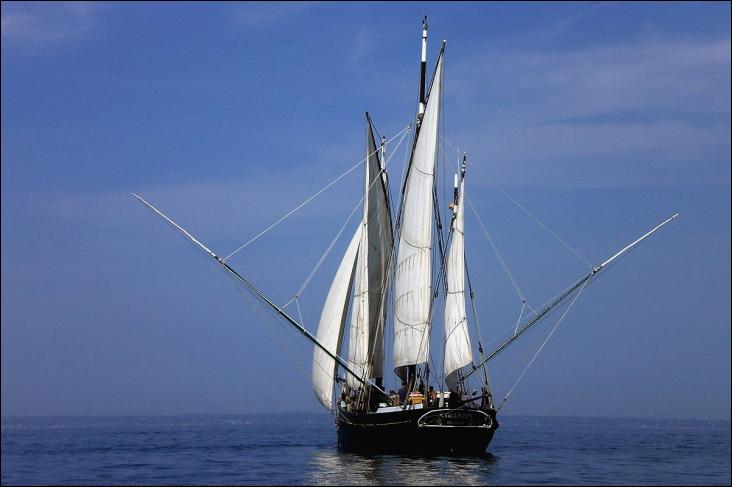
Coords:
pixel 301 449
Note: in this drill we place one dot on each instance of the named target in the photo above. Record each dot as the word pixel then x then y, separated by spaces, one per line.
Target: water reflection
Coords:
pixel 332 467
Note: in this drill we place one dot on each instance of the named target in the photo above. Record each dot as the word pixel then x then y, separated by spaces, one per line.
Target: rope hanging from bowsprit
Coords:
pixel 533 359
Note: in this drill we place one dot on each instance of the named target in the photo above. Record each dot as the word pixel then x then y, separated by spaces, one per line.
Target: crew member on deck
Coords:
pixel 393 398
pixel 454 400
pixel 431 396
pixel 403 393
pixel 344 397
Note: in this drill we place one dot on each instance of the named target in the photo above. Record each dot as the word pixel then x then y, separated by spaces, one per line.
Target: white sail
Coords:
pixel 358 342
pixel 380 244
pixel 458 353
pixel 332 323
pixel 366 340
pixel 413 273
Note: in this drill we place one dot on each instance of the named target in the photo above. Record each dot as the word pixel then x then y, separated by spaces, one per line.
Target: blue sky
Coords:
pixel 601 118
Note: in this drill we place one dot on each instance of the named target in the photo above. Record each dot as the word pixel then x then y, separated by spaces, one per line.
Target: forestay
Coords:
pixel 413 273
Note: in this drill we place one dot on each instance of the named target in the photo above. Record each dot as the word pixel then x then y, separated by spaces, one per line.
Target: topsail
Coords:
pixel 413 273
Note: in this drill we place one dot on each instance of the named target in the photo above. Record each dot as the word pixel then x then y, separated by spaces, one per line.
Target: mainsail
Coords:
pixel 457 342
pixel 332 322
pixel 413 272
pixel 366 342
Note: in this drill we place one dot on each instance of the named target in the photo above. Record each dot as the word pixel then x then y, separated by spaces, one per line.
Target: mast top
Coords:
pixel 422 70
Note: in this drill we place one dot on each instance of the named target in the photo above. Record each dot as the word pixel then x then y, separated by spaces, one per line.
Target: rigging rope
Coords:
pixel 285 345
pixel 476 323
pixel 330 247
pixel 531 362
pixel 299 292
pixel 299 311
pixel 404 134
pixel 308 200
pixel 539 222
pixel 520 293
pixel 407 153
pixel 531 215
pixel 521 315
pixel 325 254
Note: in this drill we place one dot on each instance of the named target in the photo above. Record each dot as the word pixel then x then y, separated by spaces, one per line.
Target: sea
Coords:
pixel 286 449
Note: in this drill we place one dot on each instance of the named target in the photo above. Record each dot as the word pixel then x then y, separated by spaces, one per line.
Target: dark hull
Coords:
pixel 420 431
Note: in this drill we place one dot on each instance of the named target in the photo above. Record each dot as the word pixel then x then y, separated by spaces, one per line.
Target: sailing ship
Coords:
pixel 399 262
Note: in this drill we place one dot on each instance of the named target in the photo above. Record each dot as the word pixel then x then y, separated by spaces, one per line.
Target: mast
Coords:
pixel 422 104
pixel 382 153
pixel 423 72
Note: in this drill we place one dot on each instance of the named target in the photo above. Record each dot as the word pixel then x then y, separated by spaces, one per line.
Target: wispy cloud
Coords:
pixel 266 14
pixel 660 109
pixel 606 79
pixel 558 28
pixel 34 23
pixel 364 45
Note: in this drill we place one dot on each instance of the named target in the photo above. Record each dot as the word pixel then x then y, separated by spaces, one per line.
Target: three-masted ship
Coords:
pixel 399 262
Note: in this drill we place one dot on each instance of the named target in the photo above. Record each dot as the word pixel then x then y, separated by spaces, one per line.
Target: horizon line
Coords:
pixel 260 413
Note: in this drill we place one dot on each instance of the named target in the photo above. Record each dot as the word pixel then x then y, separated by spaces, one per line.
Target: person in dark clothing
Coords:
pixel 393 398
pixel 431 397
pixel 454 400
pixel 403 393
pixel 375 398
pixel 421 387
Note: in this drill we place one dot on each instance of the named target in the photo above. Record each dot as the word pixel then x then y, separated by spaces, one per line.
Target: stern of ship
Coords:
pixel 418 430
